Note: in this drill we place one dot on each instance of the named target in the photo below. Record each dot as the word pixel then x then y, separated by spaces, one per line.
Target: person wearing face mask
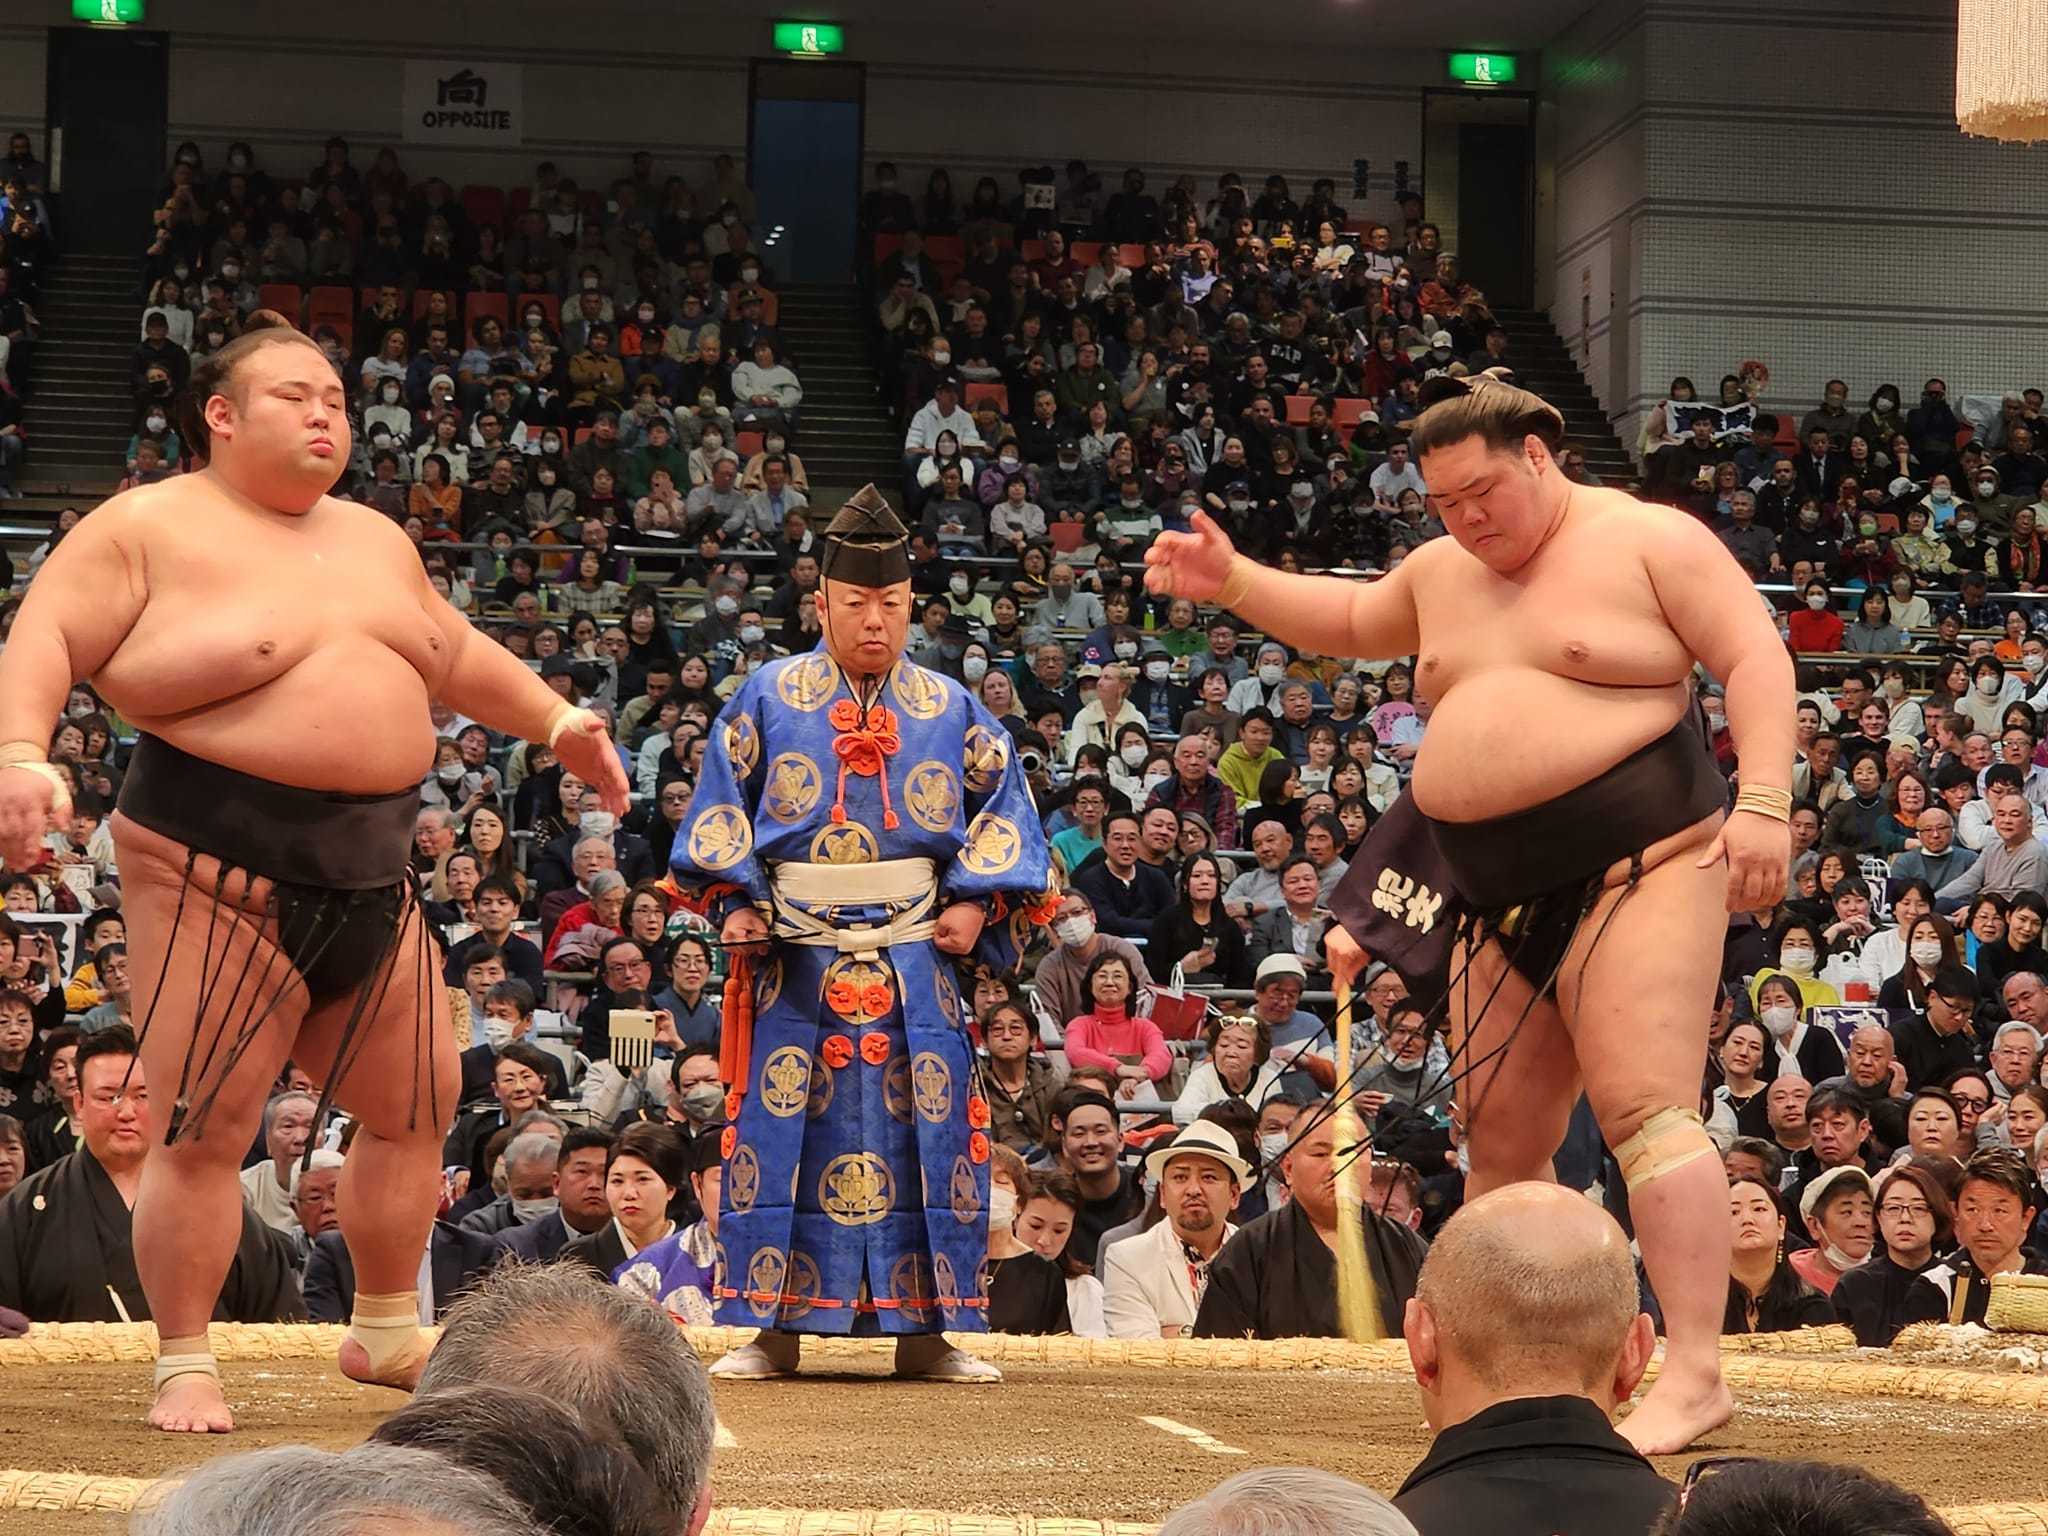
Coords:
pixel 1838 1211
pixel 1056 983
pixel 1027 1291
pixel 155 429
pixel 970 606
pixel 1066 607
pixel 1155 695
pixel 1991 502
pixel 1260 689
pixel 1815 626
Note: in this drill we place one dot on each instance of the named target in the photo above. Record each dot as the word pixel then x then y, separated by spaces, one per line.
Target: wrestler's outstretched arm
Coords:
pixel 488 683
pixel 78 610
pixel 1716 610
pixel 1326 614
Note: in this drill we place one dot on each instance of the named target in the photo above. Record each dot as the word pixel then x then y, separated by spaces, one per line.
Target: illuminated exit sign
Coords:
pixel 809 39
pixel 111 13
pixel 1483 68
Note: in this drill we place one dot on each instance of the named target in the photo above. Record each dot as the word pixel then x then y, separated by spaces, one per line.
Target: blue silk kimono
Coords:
pixel 855 1195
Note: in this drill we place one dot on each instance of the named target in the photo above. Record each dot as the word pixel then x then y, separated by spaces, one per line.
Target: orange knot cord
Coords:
pixel 866 741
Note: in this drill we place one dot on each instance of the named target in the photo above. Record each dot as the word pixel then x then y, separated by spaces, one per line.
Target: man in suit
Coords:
pixel 1526 1330
pixel 1152 1284
pixel 1296 926
pixel 581 1207
pixel 529 1186
pixel 455 1258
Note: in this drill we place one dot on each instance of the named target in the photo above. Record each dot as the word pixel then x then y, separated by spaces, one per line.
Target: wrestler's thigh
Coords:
pixel 402 1076
pixel 205 971
pixel 1638 987
pixel 1514 1080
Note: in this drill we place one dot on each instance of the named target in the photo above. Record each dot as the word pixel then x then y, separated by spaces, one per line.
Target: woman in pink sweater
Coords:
pixel 1110 1038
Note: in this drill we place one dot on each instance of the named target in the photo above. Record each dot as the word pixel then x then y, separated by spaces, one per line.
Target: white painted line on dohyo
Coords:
pixel 1197 1437
pixel 724 1439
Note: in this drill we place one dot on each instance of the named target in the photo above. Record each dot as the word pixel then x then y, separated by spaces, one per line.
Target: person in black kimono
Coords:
pixel 66 1233
pixel 1277 1279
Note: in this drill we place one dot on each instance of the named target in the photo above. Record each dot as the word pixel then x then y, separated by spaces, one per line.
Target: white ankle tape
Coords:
pixel 185 1357
pixel 387 1326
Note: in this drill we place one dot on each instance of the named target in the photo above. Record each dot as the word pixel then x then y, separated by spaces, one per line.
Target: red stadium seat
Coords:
pixel 479 305
pixel 977 392
pixel 946 248
pixel 1358 224
pixel 1086 252
pixel 747 442
pixel 1348 413
pixel 520 200
pixel 578 436
pixel 1068 536
pixel 286 298
pixel 1032 250
pixel 484 205
pixel 419 302
pixel 886 246
pixel 333 306
pixel 1965 434
pixel 1297 409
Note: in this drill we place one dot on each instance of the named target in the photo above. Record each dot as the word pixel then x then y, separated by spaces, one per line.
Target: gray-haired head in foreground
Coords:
pixel 1288 1501
pixel 374 1488
pixel 571 1481
pixel 620 1363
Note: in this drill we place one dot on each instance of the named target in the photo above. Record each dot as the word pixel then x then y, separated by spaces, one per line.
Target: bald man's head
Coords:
pixel 1528 1291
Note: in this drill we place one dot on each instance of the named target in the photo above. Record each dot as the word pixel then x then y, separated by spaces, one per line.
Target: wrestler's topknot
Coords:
pixel 1485 406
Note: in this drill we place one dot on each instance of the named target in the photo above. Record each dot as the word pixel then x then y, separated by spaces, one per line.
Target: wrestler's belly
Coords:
pixel 350 716
pixel 1508 738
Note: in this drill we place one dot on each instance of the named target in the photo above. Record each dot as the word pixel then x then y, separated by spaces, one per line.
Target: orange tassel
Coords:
pixel 736 1024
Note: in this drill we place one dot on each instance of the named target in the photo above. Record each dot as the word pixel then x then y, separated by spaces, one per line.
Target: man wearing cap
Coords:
pixel 1839 1210
pixel 858 822
pixel 1153 1284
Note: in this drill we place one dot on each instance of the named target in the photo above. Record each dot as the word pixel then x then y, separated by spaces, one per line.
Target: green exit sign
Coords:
pixel 1483 68
pixel 112 13
pixel 803 39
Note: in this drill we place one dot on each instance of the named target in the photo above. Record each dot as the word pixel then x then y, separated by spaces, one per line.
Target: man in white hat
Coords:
pixel 1152 1284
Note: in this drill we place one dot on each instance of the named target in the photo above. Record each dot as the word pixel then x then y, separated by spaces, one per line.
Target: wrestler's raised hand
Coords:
pixel 1192 565
pixel 585 749
pixel 1758 849
pixel 25 814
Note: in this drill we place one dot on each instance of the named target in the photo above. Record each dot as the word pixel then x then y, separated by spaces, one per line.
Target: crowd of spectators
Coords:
pixel 1162 1063
pixel 1127 357
pixel 27 247
pixel 611 348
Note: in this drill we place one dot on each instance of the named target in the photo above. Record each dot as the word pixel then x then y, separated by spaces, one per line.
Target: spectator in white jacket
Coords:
pixel 765 392
pixel 1152 1284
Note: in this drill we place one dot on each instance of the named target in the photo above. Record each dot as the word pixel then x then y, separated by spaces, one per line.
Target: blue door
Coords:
pixel 806 175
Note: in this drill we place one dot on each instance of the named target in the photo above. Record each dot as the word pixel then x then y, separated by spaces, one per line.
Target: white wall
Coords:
pixel 1594 97
pixel 1788 183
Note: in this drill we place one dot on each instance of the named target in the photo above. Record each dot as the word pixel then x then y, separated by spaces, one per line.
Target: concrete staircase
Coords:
pixel 847 437
pixel 1543 363
pixel 80 416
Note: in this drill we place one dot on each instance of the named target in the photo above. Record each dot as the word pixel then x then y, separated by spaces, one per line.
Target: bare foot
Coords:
pixel 1677 1410
pixel 191 1404
pixel 402 1373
